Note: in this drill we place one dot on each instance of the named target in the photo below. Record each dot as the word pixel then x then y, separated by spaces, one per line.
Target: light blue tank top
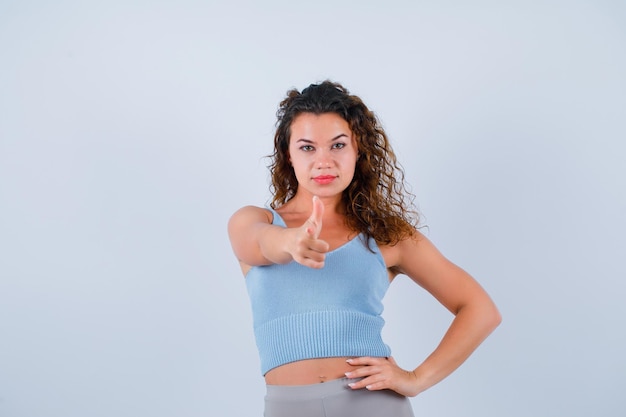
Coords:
pixel 304 313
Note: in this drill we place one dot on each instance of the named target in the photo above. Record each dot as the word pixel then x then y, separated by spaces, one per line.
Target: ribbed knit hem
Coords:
pixel 319 334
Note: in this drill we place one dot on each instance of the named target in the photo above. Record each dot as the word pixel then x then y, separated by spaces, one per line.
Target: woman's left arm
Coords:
pixel 476 316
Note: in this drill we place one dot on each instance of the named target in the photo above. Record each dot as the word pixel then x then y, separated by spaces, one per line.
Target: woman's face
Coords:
pixel 323 153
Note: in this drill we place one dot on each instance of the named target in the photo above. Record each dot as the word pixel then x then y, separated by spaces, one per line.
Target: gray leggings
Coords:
pixel 333 399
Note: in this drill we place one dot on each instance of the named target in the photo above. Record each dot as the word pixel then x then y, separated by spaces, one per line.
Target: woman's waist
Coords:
pixel 309 371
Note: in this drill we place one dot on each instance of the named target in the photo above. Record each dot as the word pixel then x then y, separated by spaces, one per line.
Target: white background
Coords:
pixel 131 130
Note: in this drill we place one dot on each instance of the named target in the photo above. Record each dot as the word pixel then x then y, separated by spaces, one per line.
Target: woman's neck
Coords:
pixel 304 203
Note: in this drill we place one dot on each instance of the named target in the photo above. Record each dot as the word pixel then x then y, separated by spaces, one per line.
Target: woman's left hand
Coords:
pixel 383 373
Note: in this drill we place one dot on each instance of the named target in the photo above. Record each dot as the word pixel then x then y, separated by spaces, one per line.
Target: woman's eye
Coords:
pixel 339 145
pixel 306 148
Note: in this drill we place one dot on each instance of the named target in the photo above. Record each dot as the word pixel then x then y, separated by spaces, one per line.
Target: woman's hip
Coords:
pixel 333 399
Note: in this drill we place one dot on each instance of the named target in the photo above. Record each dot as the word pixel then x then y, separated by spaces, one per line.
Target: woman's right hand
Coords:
pixel 306 247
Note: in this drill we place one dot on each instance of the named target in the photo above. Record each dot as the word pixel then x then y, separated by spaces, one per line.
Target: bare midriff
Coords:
pixel 310 371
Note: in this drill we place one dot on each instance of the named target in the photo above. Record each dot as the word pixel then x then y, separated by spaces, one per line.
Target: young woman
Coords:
pixel 318 261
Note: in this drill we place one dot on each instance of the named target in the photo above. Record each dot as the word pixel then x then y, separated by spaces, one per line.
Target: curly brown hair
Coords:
pixel 376 202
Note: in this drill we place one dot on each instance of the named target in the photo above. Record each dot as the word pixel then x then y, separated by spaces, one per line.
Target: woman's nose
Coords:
pixel 323 159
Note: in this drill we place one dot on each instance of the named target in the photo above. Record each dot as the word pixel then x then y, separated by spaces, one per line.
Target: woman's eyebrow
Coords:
pixel 339 136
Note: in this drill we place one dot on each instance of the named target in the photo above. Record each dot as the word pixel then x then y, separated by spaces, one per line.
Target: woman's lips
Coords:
pixel 324 179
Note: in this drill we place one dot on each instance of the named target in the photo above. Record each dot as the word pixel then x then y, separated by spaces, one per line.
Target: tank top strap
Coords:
pixel 277 220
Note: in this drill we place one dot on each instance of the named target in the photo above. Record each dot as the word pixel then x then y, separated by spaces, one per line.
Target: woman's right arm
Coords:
pixel 256 241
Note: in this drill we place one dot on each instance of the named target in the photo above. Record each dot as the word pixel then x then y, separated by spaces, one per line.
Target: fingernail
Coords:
pixel 368 387
pixel 348 374
pixel 351 384
pixel 349 360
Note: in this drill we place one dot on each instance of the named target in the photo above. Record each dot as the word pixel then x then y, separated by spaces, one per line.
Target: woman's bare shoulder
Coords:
pixel 252 214
pixel 410 246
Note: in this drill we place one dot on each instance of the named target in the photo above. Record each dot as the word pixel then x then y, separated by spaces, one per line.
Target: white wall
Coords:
pixel 131 130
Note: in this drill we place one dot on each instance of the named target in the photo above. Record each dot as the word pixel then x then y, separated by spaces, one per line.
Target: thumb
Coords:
pixel 316 217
